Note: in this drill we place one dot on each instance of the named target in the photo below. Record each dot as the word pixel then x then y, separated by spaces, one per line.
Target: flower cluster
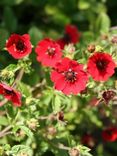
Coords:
pixel 67 74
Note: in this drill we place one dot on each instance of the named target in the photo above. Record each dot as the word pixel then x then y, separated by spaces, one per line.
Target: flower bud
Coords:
pixel 5 74
pixel 60 116
pixel 32 124
pixel 114 39
pixel 69 50
pixel 20 133
pixel 104 37
pixel 74 152
pixel 51 130
pixel 108 95
pixel 91 48
pixel 99 48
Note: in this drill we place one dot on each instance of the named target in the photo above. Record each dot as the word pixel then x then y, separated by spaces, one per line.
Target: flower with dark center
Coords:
pixel 19 46
pixel 69 77
pixel 110 134
pixel 108 95
pixel 101 66
pixel 48 52
pixel 10 94
pixel 88 140
pixel 71 35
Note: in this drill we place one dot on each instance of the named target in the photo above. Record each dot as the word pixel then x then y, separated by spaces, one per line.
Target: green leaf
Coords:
pixel 25 89
pixel 18 149
pixel 3 121
pixel 10 20
pixel 35 35
pixel 27 131
pixel 12 67
pixel 103 23
pixel 83 4
pixel 57 103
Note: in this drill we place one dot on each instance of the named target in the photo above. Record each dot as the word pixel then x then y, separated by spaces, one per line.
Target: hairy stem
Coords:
pixel 5 131
pixel 18 78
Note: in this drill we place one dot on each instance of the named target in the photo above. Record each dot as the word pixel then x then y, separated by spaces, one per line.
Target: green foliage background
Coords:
pixel 47 18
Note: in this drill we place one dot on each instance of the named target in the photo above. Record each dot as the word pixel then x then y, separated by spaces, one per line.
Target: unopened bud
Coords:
pixel 114 39
pixel 33 124
pixel 108 95
pixel 20 133
pixel 104 37
pixel 60 116
pixel 6 74
pixel 69 50
pixel 74 152
pixel 99 48
pixel 91 48
pixel 51 130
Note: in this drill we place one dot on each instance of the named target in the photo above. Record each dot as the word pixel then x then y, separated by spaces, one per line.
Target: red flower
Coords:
pixel 71 36
pixel 48 52
pixel 101 66
pixel 10 94
pixel 19 46
pixel 109 134
pixel 88 140
pixel 69 76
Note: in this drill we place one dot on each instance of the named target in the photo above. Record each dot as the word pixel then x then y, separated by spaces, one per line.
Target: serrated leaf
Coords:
pixel 12 67
pixel 25 89
pixel 57 103
pixel 3 121
pixel 27 131
pixel 103 23
pixel 17 149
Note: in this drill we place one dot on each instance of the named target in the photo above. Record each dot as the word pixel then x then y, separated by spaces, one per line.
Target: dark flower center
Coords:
pixel 67 38
pixel 101 64
pixel 50 51
pixel 20 45
pixel 8 92
pixel 109 132
pixel 70 75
